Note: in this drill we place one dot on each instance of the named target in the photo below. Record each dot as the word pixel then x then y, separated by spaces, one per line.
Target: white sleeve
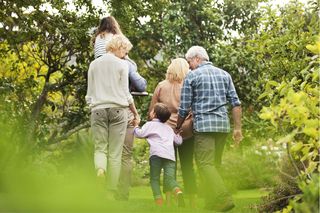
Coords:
pixel 90 83
pixel 125 82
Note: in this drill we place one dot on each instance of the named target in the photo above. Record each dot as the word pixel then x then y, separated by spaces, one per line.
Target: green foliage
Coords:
pixel 163 30
pixel 275 51
pixel 264 49
pixel 140 163
pixel 250 167
pixel 286 188
pixel 294 113
pixel 49 51
pixel 64 180
pixel 308 202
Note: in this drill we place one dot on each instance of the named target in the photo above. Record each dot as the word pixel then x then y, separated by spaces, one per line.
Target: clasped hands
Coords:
pixel 135 121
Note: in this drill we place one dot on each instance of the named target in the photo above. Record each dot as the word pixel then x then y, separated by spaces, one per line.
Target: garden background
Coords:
pixel 272 53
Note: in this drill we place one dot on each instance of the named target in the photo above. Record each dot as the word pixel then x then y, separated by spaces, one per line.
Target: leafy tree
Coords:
pixel 292 99
pixel 47 36
pixel 295 117
pixel 275 50
pixel 49 43
pixel 163 30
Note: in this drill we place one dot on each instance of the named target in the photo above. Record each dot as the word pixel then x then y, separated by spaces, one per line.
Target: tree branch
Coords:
pixel 282 198
pixel 292 161
pixel 84 125
pixel 287 175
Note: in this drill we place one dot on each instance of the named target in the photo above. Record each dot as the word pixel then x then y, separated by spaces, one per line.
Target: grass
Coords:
pixel 42 188
pixel 69 185
pixel 243 200
pixel 84 198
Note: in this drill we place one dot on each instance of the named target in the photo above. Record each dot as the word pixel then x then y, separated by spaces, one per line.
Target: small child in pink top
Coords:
pixel 161 139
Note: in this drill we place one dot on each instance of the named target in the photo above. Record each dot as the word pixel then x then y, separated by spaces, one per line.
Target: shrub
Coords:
pixel 308 202
pixel 286 187
pixel 249 167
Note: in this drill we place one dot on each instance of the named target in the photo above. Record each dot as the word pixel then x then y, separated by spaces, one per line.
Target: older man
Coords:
pixel 207 91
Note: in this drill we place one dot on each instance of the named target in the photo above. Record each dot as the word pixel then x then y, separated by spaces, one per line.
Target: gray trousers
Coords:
pixel 126 166
pixel 126 162
pixel 108 130
pixel 208 149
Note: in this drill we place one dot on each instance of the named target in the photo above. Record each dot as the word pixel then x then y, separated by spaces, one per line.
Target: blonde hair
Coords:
pixel 177 70
pixel 118 42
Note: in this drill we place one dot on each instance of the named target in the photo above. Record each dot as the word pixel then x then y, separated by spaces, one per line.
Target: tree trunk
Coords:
pixel 35 113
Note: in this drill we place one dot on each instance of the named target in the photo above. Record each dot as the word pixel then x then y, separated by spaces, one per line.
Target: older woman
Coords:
pixel 168 92
pixel 107 29
pixel 109 98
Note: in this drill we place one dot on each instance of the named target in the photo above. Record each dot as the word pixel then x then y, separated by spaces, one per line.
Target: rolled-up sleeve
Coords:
pixel 232 95
pixel 186 97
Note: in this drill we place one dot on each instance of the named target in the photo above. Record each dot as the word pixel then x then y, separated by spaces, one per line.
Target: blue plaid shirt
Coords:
pixel 207 90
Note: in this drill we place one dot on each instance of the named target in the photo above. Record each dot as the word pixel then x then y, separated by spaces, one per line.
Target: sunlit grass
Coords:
pixel 87 199
pixel 42 187
pixel 63 180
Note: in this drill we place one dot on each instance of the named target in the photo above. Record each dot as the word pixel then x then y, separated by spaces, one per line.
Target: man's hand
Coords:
pixel 237 136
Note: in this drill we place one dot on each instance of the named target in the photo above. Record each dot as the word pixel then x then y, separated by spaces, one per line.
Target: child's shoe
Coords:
pixel 159 201
pixel 179 196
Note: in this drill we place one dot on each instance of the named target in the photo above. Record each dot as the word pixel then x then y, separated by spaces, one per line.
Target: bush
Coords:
pixel 140 172
pixel 309 200
pixel 249 167
pixel 286 188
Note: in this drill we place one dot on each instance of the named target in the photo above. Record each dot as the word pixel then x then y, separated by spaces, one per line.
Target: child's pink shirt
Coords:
pixel 160 137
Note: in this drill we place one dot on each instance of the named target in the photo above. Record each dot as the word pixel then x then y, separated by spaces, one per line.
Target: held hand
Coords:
pixel 135 121
pixel 237 136
pixel 177 131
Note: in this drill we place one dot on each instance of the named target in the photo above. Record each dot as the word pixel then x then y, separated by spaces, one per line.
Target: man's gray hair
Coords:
pixel 197 51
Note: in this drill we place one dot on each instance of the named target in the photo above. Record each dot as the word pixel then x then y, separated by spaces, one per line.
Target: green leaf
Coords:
pixel 288 138
pixel 305 150
pixel 266 113
pixel 297 147
pixel 312 132
pixel 263 95
pixel 273 83
pixel 311 168
pixel 303 85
